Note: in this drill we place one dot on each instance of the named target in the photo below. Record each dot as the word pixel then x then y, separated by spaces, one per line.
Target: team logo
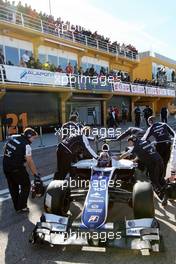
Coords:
pixel 93 218
pixel 131 223
pixel 23 74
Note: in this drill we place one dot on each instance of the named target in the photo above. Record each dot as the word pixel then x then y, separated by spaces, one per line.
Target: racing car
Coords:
pixel 100 184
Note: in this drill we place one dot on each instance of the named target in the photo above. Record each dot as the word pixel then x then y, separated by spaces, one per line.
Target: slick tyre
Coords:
pixel 57 198
pixel 142 200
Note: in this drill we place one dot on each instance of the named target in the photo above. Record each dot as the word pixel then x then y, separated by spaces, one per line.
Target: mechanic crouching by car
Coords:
pixel 162 133
pixel 72 149
pixel 147 155
pixel 17 153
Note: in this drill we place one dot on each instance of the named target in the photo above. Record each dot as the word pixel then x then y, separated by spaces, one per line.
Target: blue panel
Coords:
pixel 73 62
pixel 42 58
pixel 63 62
pixel 84 66
pixel 53 60
pixel 12 56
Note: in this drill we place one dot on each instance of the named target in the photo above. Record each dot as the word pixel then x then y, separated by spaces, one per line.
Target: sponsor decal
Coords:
pixel 94 206
pixel 95 194
pixel 94 210
pixel 131 223
pixel 93 218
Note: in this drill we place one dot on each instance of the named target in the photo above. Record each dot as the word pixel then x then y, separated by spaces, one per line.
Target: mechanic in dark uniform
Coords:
pixel 17 152
pixel 146 153
pixel 72 127
pixel 162 134
pixel 72 149
pixel 139 132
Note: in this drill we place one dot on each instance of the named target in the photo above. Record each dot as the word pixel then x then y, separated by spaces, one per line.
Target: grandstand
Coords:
pixel 49 67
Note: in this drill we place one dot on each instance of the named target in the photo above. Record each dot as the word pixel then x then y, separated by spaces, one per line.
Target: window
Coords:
pixel 42 58
pixel 12 56
pixel 22 51
pixel 63 62
pixel 84 66
pixel 73 62
pixel 53 60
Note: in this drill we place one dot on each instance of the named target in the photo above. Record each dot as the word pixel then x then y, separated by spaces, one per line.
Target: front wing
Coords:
pixel 138 234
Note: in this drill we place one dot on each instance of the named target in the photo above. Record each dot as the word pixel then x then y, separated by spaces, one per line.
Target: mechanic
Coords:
pixel 17 152
pixel 139 132
pixel 162 134
pixel 146 153
pixel 173 162
pixel 72 149
pixel 72 127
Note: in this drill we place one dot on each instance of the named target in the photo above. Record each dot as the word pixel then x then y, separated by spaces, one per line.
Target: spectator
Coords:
pixel 59 69
pixel 80 71
pixel 164 114
pixel 92 71
pixel 147 113
pixel 22 63
pixel 137 113
pixel 117 112
pixel 124 113
pixel 2 61
pixel 173 76
pixel 46 66
pixel 76 69
pixel 26 57
pixel 111 118
pixel 69 69
pixel 94 115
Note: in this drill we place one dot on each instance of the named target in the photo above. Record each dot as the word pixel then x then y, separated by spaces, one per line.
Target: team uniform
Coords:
pixel 69 129
pixel 162 134
pixel 15 151
pixel 150 158
pixel 72 149
pixel 132 131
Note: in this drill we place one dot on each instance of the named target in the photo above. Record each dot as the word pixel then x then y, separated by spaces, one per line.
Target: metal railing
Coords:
pixel 11 16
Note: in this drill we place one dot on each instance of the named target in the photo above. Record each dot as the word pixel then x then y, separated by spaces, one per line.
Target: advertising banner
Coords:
pixel 26 75
pixel 122 87
pixel 151 90
pixel 138 89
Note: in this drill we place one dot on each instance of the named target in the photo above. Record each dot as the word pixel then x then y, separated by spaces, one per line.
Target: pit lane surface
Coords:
pixel 15 230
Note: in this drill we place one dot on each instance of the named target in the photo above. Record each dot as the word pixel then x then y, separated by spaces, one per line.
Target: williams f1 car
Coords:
pixel 100 184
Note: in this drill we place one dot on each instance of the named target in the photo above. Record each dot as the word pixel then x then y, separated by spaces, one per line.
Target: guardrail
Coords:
pixel 20 75
pixel 11 16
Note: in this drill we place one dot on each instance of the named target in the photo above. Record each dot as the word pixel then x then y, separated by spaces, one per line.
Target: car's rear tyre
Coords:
pixel 171 191
pixel 142 200
pixel 57 198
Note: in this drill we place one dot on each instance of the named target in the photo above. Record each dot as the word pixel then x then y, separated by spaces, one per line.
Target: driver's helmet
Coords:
pixel 104 160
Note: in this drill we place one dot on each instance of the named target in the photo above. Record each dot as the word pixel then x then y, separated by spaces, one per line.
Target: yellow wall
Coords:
pixel 143 70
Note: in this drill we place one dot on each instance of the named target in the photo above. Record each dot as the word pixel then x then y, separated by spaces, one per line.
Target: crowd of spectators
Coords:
pixel 58 25
pixel 153 82
pixel 30 62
